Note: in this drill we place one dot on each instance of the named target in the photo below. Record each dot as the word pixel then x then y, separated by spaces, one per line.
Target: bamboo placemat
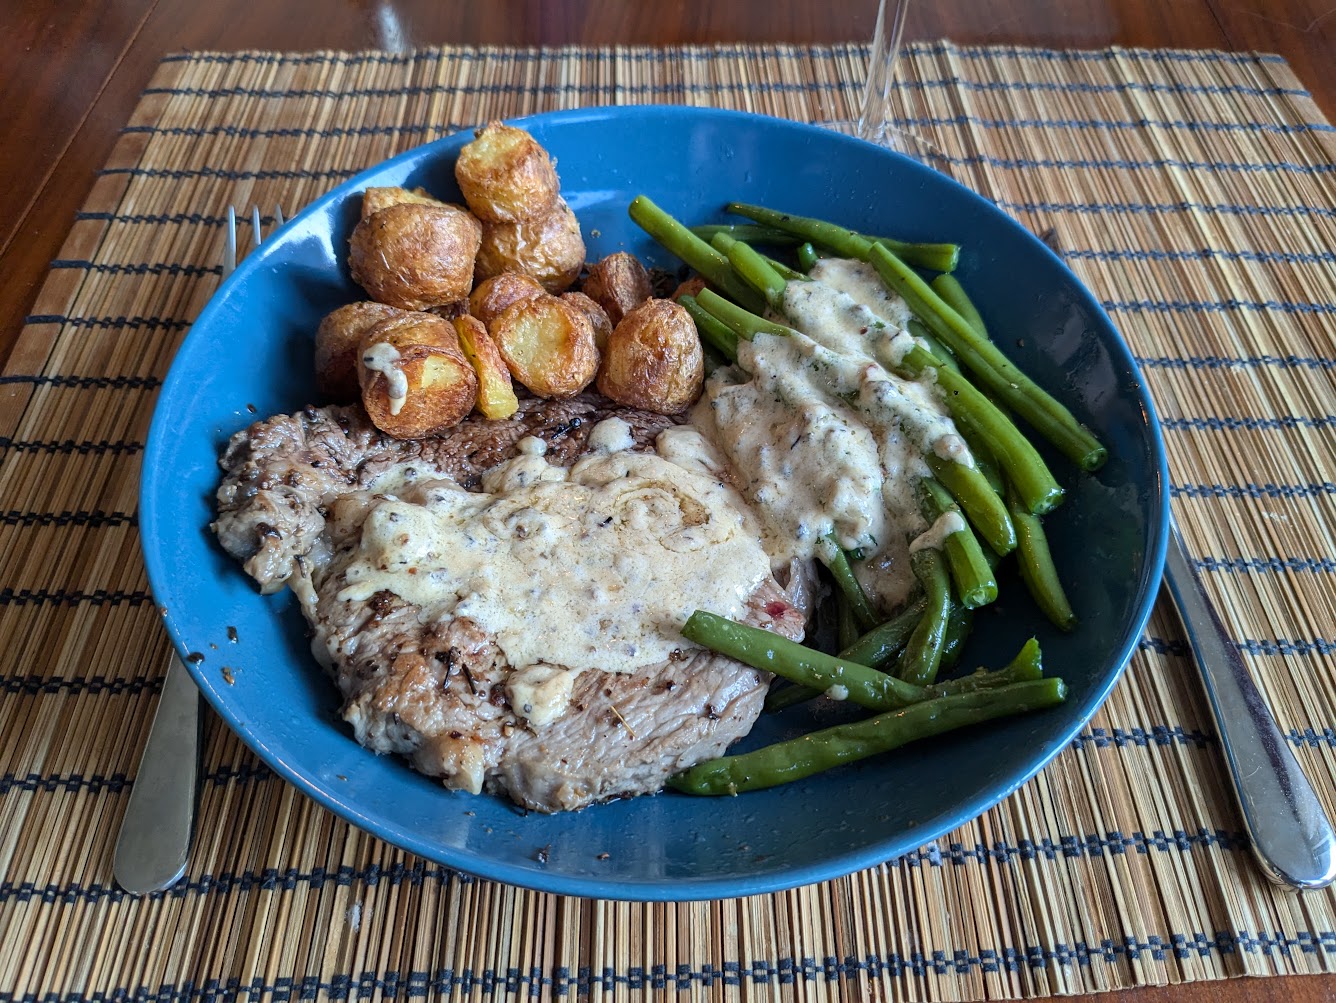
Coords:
pixel 1193 191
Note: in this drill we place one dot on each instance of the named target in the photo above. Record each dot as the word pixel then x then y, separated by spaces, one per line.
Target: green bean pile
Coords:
pixel 890 664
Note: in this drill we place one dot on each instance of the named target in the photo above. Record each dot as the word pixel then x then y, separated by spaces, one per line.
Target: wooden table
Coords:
pixel 70 74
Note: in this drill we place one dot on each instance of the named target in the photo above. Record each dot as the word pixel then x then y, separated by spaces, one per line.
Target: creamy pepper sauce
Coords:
pixel 593 566
pixel 828 442
pixel 384 358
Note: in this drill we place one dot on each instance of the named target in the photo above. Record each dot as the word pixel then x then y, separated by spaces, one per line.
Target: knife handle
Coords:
pixel 1291 835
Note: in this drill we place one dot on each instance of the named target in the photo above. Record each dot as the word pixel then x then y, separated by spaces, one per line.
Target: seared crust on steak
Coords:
pixel 436 692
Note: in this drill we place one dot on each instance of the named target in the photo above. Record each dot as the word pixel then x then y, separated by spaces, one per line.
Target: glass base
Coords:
pixel 905 143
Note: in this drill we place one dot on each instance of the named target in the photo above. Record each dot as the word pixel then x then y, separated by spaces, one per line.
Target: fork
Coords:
pixel 153 846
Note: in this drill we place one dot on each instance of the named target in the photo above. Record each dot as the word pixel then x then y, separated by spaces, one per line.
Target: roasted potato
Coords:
pixel 496 395
pixel 414 376
pixel 337 341
pixel 549 248
pixel 376 199
pixel 415 256
pixel 493 295
pixel 691 287
pixel 449 311
pixel 505 176
pixel 619 284
pixel 548 345
pixel 598 317
pixel 654 359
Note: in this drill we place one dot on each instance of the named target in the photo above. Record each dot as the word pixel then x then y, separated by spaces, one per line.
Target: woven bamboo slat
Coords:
pixel 1193 192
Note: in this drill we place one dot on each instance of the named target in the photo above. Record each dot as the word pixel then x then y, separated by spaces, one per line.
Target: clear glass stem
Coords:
pixel 873 121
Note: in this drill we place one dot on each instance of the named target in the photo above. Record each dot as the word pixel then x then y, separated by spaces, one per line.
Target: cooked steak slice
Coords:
pixel 281 473
pixel 438 692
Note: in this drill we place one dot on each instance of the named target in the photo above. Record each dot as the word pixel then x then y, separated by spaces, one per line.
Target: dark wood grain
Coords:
pixel 71 73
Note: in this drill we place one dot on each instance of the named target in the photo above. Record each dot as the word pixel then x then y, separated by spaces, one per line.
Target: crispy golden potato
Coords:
pixel 691 287
pixel 598 317
pixel 505 176
pixel 415 256
pixel 548 345
pixel 491 296
pixel 619 284
pixel 449 311
pixel 415 379
pixel 654 359
pixel 496 395
pixel 337 341
pixel 549 248
pixel 376 199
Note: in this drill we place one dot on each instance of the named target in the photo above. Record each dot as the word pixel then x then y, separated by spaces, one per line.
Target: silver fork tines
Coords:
pixel 153 847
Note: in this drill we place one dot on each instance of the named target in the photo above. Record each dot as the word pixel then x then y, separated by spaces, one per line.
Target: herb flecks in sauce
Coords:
pixel 826 439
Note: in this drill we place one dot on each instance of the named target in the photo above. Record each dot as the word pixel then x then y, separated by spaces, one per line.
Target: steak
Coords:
pixel 436 691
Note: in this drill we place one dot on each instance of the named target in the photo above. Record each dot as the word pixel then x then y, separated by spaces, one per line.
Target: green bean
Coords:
pixel 1037 569
pixel 787 695
pixel 923 654
pixel 937 257
pixel 988 468
pixel 846 632
pixel 751 265
pixel 953 294
pixel 880 645
pixel 958 626
pixel 1020 461
pixel 993 369
pixel 713 331
pixel 846 743
pixel 763 649
pixel 970 570
pixel 987 512
pixel 875 649
pixel 846 624
pixel 752 233
pixel 839 239
pixel 807 256
pixel 675 237
pixel 943 354
pixel 837 563
pixel 792 274
pixel 744 322
pixel 1027 665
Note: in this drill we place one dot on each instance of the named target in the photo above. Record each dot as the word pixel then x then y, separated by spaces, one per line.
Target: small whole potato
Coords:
pixel 505 176
pixel 598 317
pixel 414 376
pixel 691 287
pixel 548 248
pixel 653 359
pixel 414 256
pixel 548 345
pixel 375 199
pixel 337 341
pixel 493 295
pixel 619 284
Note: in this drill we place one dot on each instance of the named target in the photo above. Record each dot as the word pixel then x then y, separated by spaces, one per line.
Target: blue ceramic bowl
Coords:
pixel 249 355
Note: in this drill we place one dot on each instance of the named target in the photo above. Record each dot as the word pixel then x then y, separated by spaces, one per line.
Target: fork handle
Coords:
pixel 154 841
pixel 1291 835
